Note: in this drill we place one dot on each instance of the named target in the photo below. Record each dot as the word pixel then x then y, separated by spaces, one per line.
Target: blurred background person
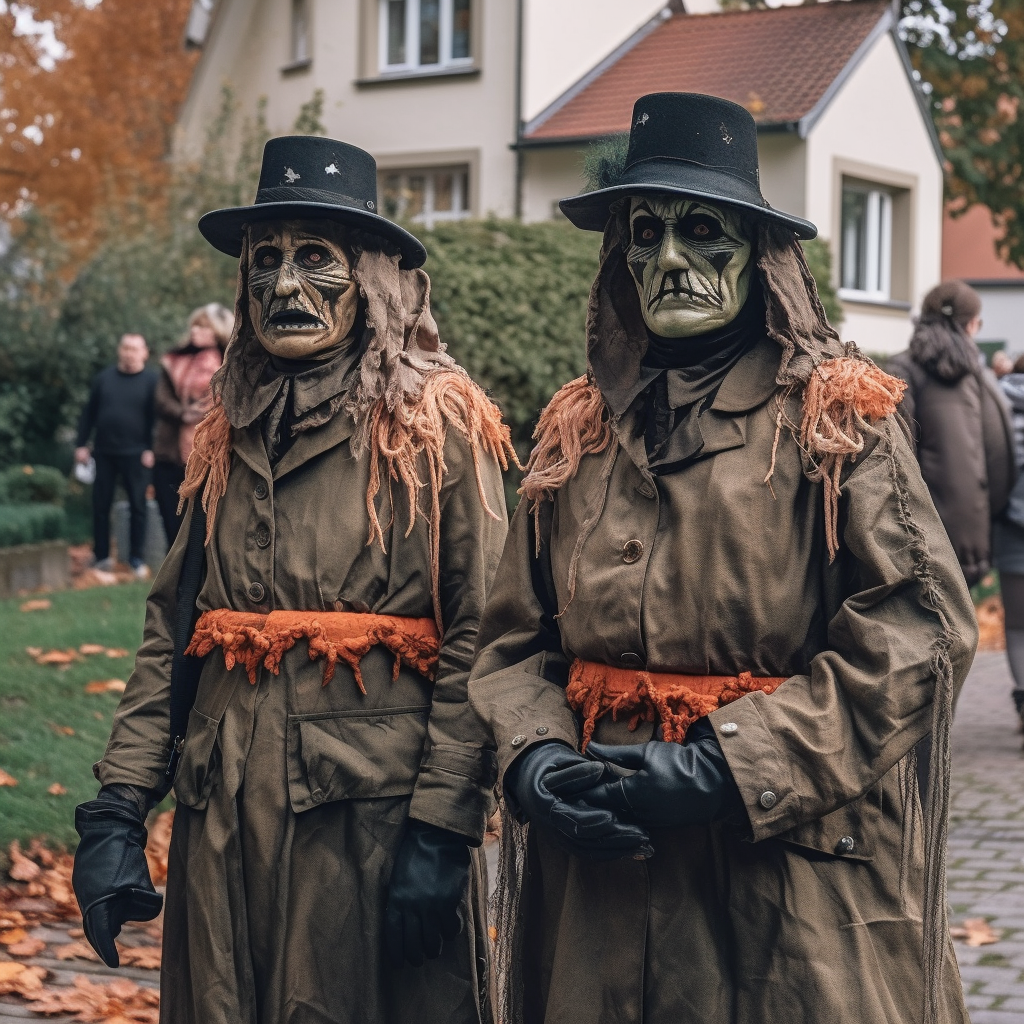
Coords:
pixel 120 411
pixel 1008 543
pixel 960 421
pixel 182 399
pixel 1002 364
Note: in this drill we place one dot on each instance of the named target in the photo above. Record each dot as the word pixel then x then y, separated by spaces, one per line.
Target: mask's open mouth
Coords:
pixel 296 320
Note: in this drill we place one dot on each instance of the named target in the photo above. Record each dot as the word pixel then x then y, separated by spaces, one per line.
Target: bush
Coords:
pixel 30 524
pixel 24 485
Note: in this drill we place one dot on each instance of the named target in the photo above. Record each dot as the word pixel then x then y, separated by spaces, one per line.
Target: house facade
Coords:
pixel 486 106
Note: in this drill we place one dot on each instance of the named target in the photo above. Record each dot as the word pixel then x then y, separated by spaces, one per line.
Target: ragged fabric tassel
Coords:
pixel 209 462
pixel 842 400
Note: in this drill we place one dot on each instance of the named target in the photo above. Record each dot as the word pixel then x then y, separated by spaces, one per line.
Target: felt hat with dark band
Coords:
pixel 687 144
pixel 304 177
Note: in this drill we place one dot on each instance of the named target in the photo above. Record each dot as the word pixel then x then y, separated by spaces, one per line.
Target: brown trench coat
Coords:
pixel 785 923
pixel 292 796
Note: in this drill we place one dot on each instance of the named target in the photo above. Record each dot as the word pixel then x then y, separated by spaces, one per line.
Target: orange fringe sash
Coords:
pixel 251 639
pixel 677 701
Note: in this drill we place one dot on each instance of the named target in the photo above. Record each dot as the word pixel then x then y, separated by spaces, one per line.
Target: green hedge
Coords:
pixel 29 524
pixel 25 485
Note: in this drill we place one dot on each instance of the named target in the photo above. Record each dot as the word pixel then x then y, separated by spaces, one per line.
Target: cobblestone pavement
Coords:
pixel 986 841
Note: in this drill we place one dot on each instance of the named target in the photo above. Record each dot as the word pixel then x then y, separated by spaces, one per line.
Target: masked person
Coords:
pixel 725 614
pixel 332 782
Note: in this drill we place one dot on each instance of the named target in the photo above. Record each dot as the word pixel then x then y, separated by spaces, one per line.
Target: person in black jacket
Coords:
pixel 120 410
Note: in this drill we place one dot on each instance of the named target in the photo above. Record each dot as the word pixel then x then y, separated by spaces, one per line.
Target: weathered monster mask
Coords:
pixel 691 263
pixel 302 297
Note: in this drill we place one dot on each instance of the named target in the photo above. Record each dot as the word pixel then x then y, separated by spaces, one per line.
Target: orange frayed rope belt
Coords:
pixel 677 701
pixel 251 639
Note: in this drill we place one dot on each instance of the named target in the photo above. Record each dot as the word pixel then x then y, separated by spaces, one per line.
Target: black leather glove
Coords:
pixel 111 876
pixel 427 884
pixel 675 784
pixel 543 781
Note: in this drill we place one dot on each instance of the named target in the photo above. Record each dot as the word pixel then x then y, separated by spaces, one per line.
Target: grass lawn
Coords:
pixel 41 704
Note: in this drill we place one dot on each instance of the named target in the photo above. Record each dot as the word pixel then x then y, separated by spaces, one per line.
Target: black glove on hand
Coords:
pixel 111 876
pixel 542 780
pixel 426 887
pixel 675 784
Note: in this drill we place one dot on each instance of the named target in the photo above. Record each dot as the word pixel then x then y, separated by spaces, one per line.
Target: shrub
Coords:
pixel 23 485
pixel 30 524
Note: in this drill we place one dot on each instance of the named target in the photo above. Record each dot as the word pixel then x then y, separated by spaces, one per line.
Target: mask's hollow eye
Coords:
pixel 699 227
pixel 313 257
pixel 647 231
pixel 267 258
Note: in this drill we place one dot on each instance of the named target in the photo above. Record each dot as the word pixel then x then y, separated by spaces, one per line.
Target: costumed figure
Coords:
pixel 726 613
pixel 332 783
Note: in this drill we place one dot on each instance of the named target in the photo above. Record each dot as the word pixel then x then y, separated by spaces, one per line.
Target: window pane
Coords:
pixel 464 192
pixel 444 188
pixel 854 239
pixel 391 193
pixel 300 31
pixel 430 31
pixel 414 195
pixel 396 31
pixel 460 29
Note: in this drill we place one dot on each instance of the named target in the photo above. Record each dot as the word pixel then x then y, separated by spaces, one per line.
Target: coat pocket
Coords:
pixel 848 832
pixel 200 761
pixel 354 755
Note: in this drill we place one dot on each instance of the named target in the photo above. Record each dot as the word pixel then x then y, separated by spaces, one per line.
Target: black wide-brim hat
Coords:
pixel 688 144
pixel 305 177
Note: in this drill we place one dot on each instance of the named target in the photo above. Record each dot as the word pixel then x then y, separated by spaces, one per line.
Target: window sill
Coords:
pixel 861 299
pixel 297 65
pixel 398 77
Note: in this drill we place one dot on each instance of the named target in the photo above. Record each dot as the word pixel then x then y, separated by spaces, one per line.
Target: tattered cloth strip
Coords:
pixel 251 639
pixel 676 701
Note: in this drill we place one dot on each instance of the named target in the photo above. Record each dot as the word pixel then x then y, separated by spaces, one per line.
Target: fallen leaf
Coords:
pixel 12 935
pixel 61 730
pixel 33 652
pixel 146 957
pixel 158 845
pixel 76 951
pixel 56 790
pixel 117 1002
pixel 7 780
pixel 91 648
pixel 991 632
pixel 40 854
pixel 19 979
pixel 106 686
pixel 38 604
pixel 76 933
pixel 975 931
pixel 116 652
pixel 22 869
pixel 27 947
pixel 58 657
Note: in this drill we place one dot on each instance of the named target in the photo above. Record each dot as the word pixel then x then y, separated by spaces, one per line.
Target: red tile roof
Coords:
pixel 969 248
pixel 778 63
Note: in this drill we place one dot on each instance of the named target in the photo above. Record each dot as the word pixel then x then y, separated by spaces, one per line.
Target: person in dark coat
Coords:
pixel 120 411
pixel 182 399
pixel 960 421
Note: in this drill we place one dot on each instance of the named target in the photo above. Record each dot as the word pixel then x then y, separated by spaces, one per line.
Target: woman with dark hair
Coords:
pixel 960 422
pixel 182 399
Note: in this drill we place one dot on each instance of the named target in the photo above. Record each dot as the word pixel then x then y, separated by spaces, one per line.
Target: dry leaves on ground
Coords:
pixel 975 931
pixel 27 947
pixel 120 1000
pixel 20 979
pixel 56 789
pixel 990 625
pixel 91 648
pixel 158 846
pixel 106 686
pixel 116 652
pixel 61 730
pixel 41 657
pixel 37 604
pixel 7 780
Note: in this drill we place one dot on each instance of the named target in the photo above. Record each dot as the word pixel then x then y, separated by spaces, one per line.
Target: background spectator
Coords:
pixel 1002 364
pixel 120 410
pixel 182 399
pixel 960 421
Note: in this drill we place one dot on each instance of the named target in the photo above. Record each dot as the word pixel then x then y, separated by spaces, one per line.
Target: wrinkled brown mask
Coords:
pixel 691 263
pixel 302 297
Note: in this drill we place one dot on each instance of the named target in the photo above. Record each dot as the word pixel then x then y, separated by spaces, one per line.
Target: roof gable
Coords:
pixel 783 64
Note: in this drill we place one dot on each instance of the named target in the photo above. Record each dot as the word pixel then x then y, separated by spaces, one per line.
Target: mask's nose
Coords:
pixel 672 254
pixel 287 282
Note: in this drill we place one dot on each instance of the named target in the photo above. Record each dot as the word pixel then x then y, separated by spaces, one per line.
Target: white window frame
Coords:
pixel 877 245
pixel 429 217
pixel 412 39
pixel 305 38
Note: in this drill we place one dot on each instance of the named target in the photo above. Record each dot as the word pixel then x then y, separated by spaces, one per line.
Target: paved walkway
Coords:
pixel 986 842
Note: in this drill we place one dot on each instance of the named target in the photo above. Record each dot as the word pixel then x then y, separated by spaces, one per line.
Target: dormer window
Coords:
pixel 424 35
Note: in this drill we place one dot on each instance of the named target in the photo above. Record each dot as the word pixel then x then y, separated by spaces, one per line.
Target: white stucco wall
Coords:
pixel 1002 314
pixel 471 116
pixel 875 124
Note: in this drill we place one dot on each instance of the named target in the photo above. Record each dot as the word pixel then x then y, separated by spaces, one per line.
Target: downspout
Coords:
pixel 518 104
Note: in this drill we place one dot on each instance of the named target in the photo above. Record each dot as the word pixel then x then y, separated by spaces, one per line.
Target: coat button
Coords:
pixel 728 728
pixel 518 741
pixel 256 592
pixel 631 551
pixel 260 490
pixel 646 489
pixel 768 799
pixel 631 660
pixel 846 845
pixel 263 535
pixel 542 730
